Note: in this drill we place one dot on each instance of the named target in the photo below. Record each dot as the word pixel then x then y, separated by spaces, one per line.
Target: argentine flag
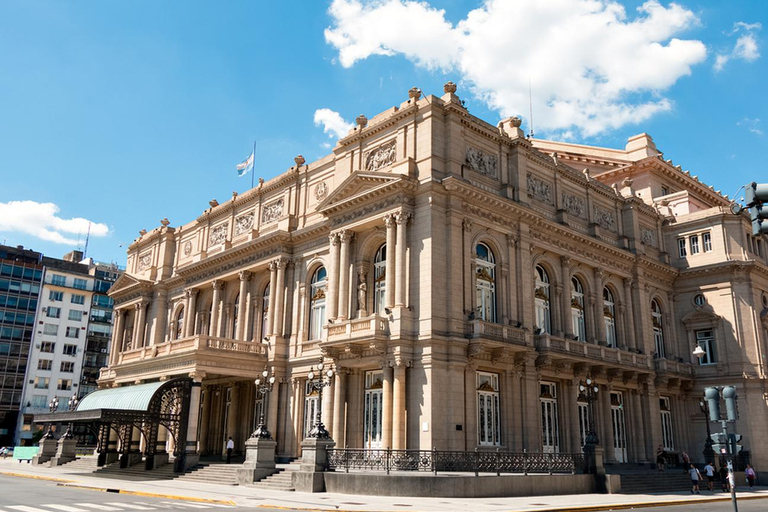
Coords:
pixel 246 165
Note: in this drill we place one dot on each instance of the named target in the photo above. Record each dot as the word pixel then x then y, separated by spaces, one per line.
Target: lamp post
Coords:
pixel 263 387
pixel 589 390
pixel 53 405
pixel 709 452
pixel 318 381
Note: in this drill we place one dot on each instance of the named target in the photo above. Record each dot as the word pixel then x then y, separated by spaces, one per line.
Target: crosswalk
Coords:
pixel 116 506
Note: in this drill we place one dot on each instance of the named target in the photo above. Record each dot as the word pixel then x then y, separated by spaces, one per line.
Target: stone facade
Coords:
pixel 461 280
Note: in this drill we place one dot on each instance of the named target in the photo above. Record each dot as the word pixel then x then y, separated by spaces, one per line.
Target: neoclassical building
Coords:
pixel 461 280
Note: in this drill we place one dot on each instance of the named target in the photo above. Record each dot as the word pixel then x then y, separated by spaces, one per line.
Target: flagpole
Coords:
pixel 253 167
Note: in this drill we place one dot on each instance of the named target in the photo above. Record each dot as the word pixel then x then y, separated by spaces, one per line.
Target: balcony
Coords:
pixel 673 369
pixel 367 329
pixel 583 351
pixel 496 332
pixel 197 344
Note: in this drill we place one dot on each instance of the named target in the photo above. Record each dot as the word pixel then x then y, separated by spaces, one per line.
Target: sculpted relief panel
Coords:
pixel 573 205
pixel 381 156
pixel 218 234
pixel 482 162
pixel 539 189
pixel 605 219
pixel 145 261
pixel 243 223
pixel 648 236
pixel 272 211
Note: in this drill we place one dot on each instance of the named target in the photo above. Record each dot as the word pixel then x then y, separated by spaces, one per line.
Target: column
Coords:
pixel 400 293
pixel 671 328
pixel 572 396
pixel 190 312
pixel 339 402
pixel 566 324
pixel 389 269
pixel 386 407
pixel 272 297
pixel 218 285
pixel 234 406
pixel 194 414
pixel 161 317
pixel 242 301
pixel 598 315
pixel 346 237
pixel 327 408
pixel 333 277
pixel 605 420
pixel 279 305
pixel 512 284
pixel 117 336
pixel 141 320
pixel 398 405
pixel 207 398
pixel 629 320
pixel 273 400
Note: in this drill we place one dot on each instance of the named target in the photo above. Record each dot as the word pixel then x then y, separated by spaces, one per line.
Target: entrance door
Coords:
pixel 373 410
pixel 619 428
pixel 550 434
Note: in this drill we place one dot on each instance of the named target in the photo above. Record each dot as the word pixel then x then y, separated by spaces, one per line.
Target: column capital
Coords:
pixel 598 273
pixel 334 238
pixel 345 235
pixel 217 284
pixel 402 362
pixel 565 260
pixel 191 292
pixel 511 240
pixel 389 220
pixel 402 217
pixel 244 275
pixel 466 224
pixel 628 281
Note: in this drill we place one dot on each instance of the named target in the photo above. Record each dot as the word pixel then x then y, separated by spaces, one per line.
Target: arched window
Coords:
pixel 379 280
pixel 577 309
pixel 485 283
pixel 609 317
pixel 265 313
pixel 658 330
pixel 179 324
pixel 317 304
pixel 541 295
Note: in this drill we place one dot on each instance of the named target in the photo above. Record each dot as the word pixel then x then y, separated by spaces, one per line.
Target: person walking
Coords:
pixel 709 470
pixel 660 458
pixel 724 479
pixel 230 447
pixel 686 461
pixel 695 477
pixel 750 474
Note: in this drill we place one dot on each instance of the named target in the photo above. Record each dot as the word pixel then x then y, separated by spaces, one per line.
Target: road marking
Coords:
pixel 64 508
pixel 132 506
pixel 185 504
pixel 25 508
pixel 98 506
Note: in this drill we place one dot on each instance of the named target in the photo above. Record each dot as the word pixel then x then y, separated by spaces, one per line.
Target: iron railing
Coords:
pixel 454 461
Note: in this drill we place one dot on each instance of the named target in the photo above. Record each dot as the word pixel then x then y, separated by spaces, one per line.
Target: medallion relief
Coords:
pixel 218 234
pixel 321 190
pixel 272 211
pixel 482 162
pixel 381 156
pixel 539 189
pixel 187 248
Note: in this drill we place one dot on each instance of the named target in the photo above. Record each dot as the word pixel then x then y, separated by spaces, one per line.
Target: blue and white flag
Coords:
pixel 246 165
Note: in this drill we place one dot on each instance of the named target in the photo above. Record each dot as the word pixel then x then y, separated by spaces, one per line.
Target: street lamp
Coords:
pixel 589 390
pixel 72 402
pixel 709 452
pixel 263 386
pixel 318 381
pixel 53 405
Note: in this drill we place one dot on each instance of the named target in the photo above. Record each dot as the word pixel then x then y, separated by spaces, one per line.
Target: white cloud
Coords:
pixel 751 124
pixel 591 67
pixel 41 220
pixel 745 48
pixel 332 122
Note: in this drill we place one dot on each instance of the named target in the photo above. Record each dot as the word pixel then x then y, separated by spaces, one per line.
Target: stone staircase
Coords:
pixel 136 472
pixel 82 465
pixel 653 481
pixel 280 481
pixel 221 474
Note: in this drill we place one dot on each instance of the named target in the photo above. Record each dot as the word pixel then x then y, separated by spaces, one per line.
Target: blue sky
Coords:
pixel 122 113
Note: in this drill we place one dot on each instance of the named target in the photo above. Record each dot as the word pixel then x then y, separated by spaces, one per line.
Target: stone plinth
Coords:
pixel 259 460
pixel 47 450
pixel 314 456
pixel 593 459
pixel 65 451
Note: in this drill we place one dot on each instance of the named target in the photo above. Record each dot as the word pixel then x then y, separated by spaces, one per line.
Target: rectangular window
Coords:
pixel 58 280
pixel 681 251
pixel 75 315
pixel 55 296
pixel 64 385
pixel 78 299
pixel 42 382
pixel 488 415
pixel 73 332
pixel 67 366
pixel 706 239
pixel 694 240
pixel 80 284
pixel 47 347
pixel 550 432
pixel 39 401
pixel 51 329
pixel 53 312
pixel 706 340
pixel 667 436
pixel 70 350
pixel 44 364
pixel 664 190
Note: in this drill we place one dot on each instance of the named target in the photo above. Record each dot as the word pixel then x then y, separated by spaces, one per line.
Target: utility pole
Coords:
pixel 712 396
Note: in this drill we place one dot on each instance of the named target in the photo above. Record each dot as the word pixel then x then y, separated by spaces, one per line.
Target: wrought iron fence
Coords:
pixel 454 461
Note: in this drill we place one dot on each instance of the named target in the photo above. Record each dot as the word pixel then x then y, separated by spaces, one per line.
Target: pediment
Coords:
pixel 126 284
pixel 361 186
pixel 701 317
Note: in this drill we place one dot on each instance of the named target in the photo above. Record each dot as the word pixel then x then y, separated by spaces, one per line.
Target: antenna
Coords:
pixel 530 108
pixel 87 238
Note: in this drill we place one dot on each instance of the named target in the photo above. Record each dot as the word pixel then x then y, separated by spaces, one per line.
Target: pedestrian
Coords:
pixel 695 477
pixel 660 458
pixel 724 479
pixel 686 461
pixel 750 474
pixel 230 447
pixel 709 470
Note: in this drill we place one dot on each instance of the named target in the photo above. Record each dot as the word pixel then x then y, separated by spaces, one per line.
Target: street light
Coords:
pixel 318 381
pixel 709 452
pixel 263 386
pixel 53 405
pixel 72 402
pixel 589 390
pixel 699 352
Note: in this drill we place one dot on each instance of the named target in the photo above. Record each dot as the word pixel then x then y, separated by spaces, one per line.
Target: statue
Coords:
pixel 361 295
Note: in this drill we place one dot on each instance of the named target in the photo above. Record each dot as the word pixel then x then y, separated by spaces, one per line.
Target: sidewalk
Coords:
pixel 253 498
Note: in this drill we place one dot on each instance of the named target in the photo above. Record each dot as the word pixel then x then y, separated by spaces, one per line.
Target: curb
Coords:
pixel 648 504
pixel 72 485
pixel 36 477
